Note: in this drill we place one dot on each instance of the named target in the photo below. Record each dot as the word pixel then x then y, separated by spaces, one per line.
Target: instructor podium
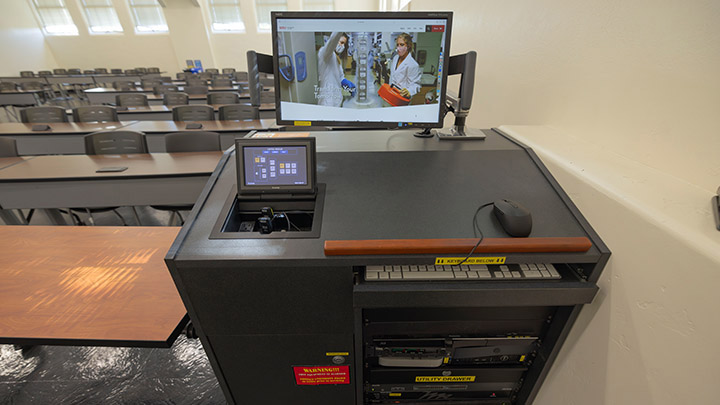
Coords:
pixel 312 313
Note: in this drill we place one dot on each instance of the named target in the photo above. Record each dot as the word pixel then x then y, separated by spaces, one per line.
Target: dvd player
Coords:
pixel 437 352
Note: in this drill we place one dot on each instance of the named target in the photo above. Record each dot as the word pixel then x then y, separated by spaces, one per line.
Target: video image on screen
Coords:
pixel 374 76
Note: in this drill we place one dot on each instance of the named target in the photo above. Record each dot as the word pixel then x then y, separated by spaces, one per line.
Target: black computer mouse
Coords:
pixel 514 218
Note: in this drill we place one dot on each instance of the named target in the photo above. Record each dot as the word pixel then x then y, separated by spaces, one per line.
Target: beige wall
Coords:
pixel 639 80
pixel 189 38
pixel 637 77
pixel 22 44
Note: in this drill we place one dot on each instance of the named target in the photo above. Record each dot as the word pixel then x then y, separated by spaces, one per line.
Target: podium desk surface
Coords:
pixel 392 185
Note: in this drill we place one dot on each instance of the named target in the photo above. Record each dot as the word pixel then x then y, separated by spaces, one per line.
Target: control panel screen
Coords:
pixel 276 166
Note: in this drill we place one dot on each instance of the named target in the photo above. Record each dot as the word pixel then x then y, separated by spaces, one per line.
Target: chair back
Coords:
pixel 196 89
pixel 7 86
pixel 221 82
pixel 123 84
pixel 153 70
pixel 130 72
pixel 175 98
pixel 164 88
pixel 141 70
pixel 193 112
pixel 131 100
pixel 228 71
pixel 74 71
pixel 150 83
pixel 95 113
pixel 32 86
pixel 44 114
pixel 267 97
pixel 60 72
pixel 223 97
pixel 116 71
pixel 115 142
pixel 192 141
pixel 195 81
pixel 8 147
pixel 241 76
pixel 27 73
pixel 88 72
pixel 101 71
pixel 43 73
pixel 239 112
pixel 212 71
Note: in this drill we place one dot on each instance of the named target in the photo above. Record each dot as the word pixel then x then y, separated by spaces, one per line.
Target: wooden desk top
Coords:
pixel 20 91
pixel 157 108
pixel 104 286
pixel 78 167
pixel 9 161
pixel 22 128
pixel 150 90
pixel 215 126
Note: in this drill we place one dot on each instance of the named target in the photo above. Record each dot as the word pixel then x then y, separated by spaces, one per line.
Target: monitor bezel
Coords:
pixel 402 15
pixel 245 189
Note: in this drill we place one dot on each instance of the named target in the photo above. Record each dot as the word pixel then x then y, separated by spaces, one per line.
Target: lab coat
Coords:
pixel 407 75
pixel 330 74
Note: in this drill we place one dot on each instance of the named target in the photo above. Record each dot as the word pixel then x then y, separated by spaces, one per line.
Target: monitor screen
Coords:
pixel 275 165
pixel 361 69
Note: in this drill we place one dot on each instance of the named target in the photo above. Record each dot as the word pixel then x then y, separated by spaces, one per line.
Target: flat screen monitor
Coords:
pixel 275 166
pixel 361 69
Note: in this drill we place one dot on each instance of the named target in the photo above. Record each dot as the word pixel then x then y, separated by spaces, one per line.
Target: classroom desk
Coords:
pixel 162 112
pixel 229 130
pixel 102 286
pixel 68 137
pixel 19 79
pixel 20 97
pixel 49 182
pixel 70 79
pixel 106 95
pixel 62 138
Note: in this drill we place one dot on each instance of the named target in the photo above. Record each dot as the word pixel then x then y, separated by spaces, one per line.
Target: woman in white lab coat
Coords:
pixel 404 71
pixel 330 71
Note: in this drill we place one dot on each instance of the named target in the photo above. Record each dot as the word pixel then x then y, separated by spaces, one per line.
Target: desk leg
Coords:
pixel 11 218
pixel 55 216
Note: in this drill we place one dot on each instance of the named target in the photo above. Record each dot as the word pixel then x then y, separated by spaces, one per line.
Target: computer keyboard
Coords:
pixel 473 272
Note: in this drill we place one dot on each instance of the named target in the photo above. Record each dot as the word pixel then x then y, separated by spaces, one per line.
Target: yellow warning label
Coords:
pixel 303 123
pixel 395 394
pixel 452 378
pixel 470 260
pixel 522 358
pixel 337 354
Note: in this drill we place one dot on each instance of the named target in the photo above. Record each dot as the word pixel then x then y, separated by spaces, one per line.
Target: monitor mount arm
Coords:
pixel 464 65
pixel 257 63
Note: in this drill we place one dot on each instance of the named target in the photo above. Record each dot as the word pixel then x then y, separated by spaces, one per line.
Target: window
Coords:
pixel 226 16
pixel 263 9
pixel 318 5
pixel 148 16
pixel 101 16
pixel 55 17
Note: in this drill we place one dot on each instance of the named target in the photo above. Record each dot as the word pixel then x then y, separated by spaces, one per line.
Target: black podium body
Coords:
pixel 267 307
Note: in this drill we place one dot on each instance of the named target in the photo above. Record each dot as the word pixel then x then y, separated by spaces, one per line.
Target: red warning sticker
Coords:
pixel 323 375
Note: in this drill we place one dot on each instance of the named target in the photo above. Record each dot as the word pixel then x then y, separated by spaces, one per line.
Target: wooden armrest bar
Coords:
pixel 459 246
